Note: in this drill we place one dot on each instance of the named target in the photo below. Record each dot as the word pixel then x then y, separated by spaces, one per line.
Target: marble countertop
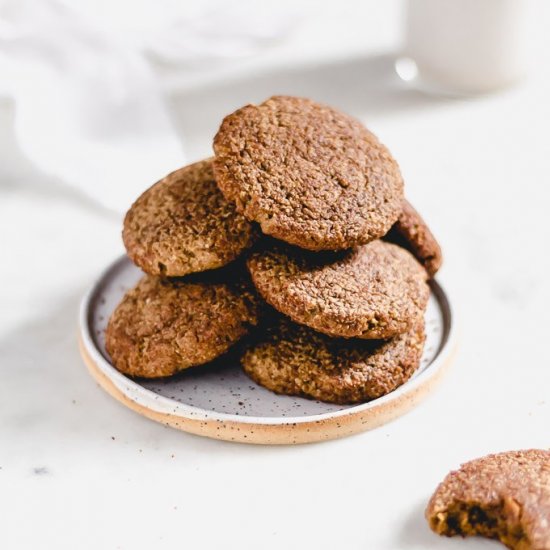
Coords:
pixel 78 470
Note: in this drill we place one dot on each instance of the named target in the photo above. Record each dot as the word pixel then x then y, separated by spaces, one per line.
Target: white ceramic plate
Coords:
pixel 220 401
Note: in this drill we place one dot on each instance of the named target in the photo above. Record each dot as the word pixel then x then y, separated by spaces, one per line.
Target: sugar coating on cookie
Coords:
pixel 295 360
pixel 165 325
pixel 307 173
pixel 183 224
pixel 412 232
pixel 375 291
pixel 503 496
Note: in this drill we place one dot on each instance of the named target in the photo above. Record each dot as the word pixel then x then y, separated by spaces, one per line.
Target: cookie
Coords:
pixel 183 224
pixel 308 174
pixel 375 291
pixel 296 360
pixel 503 496
pixel 165 325
pixel 411 232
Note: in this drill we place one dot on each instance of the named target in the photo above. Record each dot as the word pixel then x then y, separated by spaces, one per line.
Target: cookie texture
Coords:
pixel 183 224
pixel 308 174
pixel 163 326
pixel 296 360
pixel 503 496
pixel 411 232
pixel 375 291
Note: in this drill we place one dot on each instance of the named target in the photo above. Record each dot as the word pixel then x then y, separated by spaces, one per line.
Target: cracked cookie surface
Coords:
pixel 183 224
pixel 307 173
pixel 375 291
pixel 292 359
pixel 165 325
pixel 504 496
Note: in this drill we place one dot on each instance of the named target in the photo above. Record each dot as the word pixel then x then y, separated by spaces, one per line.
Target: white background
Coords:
pixel 79 471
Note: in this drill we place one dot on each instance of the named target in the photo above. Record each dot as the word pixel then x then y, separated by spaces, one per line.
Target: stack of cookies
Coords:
pixel 294 241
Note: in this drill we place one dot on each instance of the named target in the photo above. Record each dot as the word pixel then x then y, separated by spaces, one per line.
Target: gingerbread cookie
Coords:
pixel 307 173
pixel 295 360
pixel 411 232
pixel 503 496
pixel 183 224
pixel 165 325
pixel 375 291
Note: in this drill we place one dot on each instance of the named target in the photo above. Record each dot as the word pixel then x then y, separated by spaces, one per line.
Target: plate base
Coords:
pixel 219 401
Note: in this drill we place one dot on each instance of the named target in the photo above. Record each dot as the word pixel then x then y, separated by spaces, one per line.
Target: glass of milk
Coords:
pixel 464 46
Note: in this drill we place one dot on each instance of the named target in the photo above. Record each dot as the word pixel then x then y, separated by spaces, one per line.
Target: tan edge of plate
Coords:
pixel 291 431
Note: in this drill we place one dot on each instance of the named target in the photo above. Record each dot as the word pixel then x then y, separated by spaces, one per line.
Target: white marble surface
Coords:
pixel 78 470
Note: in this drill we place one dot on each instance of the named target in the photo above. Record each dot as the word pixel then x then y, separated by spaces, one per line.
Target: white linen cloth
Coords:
pixel 88 106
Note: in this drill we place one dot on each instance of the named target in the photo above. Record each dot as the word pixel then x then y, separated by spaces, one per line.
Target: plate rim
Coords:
pixel 186 411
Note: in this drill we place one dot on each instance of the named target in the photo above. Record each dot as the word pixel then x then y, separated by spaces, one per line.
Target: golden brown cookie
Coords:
pixel 183 224
pixel 165 325
pixel 411 232
pixel 375 291
pixel 503 496
pixel 295 360
pixel 308 174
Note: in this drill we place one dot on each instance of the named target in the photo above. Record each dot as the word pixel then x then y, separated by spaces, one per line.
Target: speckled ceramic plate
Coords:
pixel 220 401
